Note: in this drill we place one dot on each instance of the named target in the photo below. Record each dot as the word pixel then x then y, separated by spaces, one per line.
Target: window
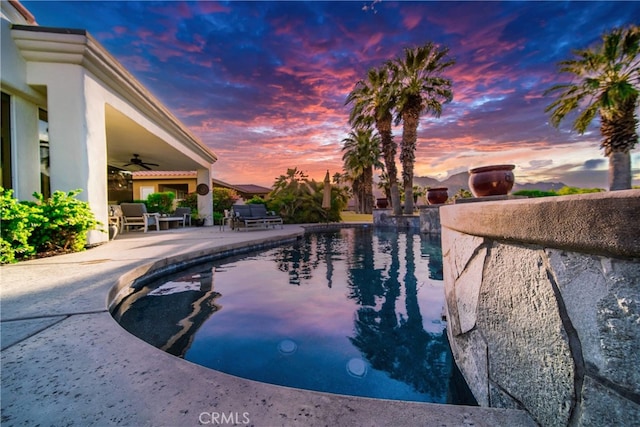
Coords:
pixel 6 176
pixel 145 191
pixel 45 173
pixel 180 190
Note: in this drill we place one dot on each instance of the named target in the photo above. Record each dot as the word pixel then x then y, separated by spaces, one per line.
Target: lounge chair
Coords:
pixel 136 215
pixel 185 213
pixel 269 218
pixel 253 216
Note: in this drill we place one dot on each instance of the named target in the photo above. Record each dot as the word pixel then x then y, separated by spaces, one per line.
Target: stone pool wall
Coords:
pixel 427 221
pixel 386 218
pixel 543 304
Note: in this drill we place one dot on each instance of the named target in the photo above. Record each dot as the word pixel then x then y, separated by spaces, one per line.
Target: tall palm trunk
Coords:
pixel 618 129
pixel 619 170
pixel 410 118
pixel 357 194
pixel 368 190
pixel 389 154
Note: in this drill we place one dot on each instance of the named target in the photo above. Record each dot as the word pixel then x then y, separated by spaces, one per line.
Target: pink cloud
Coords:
pixel 411 21
pixel 207 7
pixel 373 41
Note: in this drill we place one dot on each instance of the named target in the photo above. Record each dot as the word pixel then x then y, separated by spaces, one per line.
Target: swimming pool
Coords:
pixel 356 311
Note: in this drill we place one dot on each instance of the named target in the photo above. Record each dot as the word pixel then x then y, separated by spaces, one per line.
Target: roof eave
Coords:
pixel 73 46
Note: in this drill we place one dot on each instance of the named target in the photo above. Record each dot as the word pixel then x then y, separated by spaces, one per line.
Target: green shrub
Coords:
pixel 223 198
pixel 66 221
pixel 256 200
pixel 535 193
pixel 160 202
pixel 44 227
pixel 564 191
pixel 191 201
pixel 462 193
pixel 298 200
pixel 18 222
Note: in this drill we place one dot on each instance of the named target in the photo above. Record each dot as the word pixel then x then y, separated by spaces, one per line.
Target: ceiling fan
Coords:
pixel 136 160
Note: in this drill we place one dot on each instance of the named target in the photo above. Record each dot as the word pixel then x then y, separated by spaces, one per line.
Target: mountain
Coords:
pixel 543 186
pixel 453 183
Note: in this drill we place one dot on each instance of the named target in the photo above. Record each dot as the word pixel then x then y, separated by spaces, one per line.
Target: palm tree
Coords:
pixel 420 88
pixel 299 200
pixel 361 155
pixel 606 80
pixel 383 184
pixel 290 193
pixel 373 102
pixel 292 179
pixel 339 178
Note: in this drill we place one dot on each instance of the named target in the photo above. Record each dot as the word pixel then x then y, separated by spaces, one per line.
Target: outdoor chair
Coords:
pixel 259 210
pixel 136 215
pixel 115 217
pixel 253 216
pixel 185 213
pixel 227 219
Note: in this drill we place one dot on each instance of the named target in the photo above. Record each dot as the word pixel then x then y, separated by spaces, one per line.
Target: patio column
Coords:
pixel 78 150
pixel 27 151
pixel 205 203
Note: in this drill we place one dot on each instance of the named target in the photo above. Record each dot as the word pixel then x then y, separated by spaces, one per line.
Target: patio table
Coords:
pixel 167 222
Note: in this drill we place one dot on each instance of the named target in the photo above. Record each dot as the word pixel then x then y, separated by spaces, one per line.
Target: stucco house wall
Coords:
pixel 98 114
pixel 172 179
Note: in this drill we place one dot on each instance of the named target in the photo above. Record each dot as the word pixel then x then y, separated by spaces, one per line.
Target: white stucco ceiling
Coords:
pixel 126 137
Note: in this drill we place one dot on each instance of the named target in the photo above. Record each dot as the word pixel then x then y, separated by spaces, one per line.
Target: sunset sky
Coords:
pixel 264 83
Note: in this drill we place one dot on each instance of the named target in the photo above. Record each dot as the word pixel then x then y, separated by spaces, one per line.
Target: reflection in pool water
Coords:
pixel 356 311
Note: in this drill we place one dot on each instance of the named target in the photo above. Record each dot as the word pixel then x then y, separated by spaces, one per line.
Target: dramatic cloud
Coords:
pixel 592 164
pixel 264 83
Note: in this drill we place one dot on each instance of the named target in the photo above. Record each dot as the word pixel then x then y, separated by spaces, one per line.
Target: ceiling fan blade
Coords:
pixel 150 164
pixel 144 165
pixel 128 164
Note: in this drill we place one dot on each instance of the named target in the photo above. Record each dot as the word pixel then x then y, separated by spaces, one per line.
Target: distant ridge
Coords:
pixel 461 180
pixel 542 185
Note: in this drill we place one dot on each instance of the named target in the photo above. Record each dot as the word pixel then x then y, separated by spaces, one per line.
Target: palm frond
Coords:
pixel 604 78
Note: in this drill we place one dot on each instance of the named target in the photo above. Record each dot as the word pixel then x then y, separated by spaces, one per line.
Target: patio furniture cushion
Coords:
pixel 253 216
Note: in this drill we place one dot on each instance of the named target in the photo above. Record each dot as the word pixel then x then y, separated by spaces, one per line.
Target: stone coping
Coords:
pixel 598 223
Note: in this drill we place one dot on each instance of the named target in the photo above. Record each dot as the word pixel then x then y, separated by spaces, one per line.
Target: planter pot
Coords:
pixel 113 231
pixel 382 203
pixel 437 196
pixel 496 180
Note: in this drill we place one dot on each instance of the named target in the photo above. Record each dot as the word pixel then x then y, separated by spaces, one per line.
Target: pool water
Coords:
pixel 357 311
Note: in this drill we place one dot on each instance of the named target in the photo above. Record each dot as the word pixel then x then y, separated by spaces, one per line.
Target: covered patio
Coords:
pixel 76 111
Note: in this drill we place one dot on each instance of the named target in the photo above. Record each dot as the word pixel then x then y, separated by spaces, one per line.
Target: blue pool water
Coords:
pixel 356 311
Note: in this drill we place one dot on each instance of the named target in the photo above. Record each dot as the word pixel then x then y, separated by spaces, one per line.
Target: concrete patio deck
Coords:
pixel 65 361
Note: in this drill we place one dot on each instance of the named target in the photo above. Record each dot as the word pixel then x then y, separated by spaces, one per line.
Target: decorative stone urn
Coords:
pixel 382 203
pixel 437 196
pixel 495 180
